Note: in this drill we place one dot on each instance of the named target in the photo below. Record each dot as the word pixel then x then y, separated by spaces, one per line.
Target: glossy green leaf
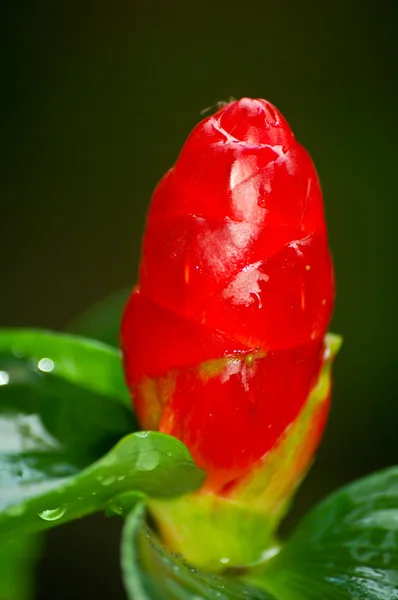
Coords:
pixel 150 571
pixel 63 405
pixel 102 321
pixel 51 427
pixel 86 363
pixel 346 548
pixel 145 462
pixel 17 561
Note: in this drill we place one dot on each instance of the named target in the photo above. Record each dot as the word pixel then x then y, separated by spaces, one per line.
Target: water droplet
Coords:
pixel 4 378
pixel 121 477
pixel 15 511
pixel 52 514
pixel 109 480
pixel 146 461
pixel 142 434
pixel 270 553
pixel 224 560
pixel 108 460
pixel 113 508
pixel 46 365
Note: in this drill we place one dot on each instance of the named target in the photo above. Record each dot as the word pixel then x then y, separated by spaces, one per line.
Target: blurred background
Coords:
pixel 97 100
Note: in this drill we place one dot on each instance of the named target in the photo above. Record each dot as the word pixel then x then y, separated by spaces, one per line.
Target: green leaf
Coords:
pixel 17 562
pixel 51 427
pixel 145 462
pixel 150 571
pixel 102 321
pixel 63 405
pixel 89 364
pixel 346 548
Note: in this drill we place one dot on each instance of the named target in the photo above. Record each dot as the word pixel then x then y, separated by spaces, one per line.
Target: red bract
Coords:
pixel 223 336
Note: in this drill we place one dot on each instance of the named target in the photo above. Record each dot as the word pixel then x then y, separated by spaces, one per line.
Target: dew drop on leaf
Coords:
pixel 4 378
pixel 109 480
pixel 52 514
pixel 15 511
pixel 146 461
pixel 46 365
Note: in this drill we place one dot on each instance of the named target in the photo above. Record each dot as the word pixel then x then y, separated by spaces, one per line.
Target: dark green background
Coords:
pixel 97 99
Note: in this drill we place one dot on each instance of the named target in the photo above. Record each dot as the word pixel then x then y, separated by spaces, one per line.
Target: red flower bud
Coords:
pixel 223 338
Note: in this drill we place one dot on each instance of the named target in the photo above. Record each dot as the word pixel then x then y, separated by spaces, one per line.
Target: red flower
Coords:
pixel 223 338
